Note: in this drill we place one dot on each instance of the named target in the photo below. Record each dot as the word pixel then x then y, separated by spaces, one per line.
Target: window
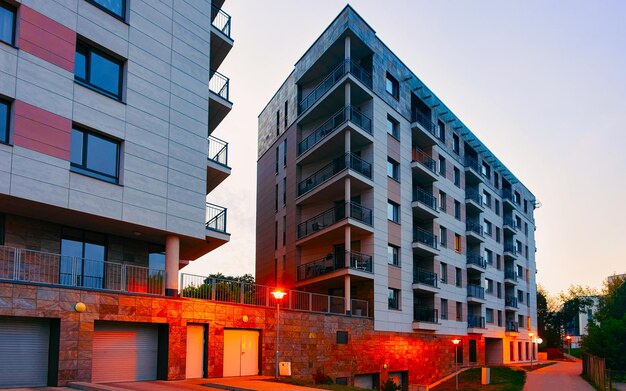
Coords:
pixel 526 229
pixel 498 234
pixel 459 311
pixel 392 86
pixel 498 262
pixel 485 170
pixel 277 155
pixel 520 319
pixel 517 198
pixel 286 112
pixel 443 267
pixel 277 122
pixel 496 181
pixel 1 230
pixel 487 227
pixel 489 285
pixel 520 296
pixel 276 199
pixel 489 315
pixel 456 143
pixel 284 230
pixel 285 153
pixel 518 222
pixel 284 191
pixel 457 243
pixel 393 169
pixel 275 235
pixel 116 8
pixel 5 123
pixel 95 155
pixel 459 277
pixel 526 251
pixel 527 275
pixel 342 337
pixel 393 255
pixel 486 199
pixel 457 210
pixel 499 289
pixel 442 166
pixel 499 318
pixel 443 236
pixel 98 70
pixel 394 299
pixel 393 127
pixel 528 298
pixel 442 200
pixel 488 255
pixel 7 23
pixel 497 207
pixel 441 130
pixel 457 177
pixel 525 206
pixel 520 271
pixel 82 258
pixel 518 246
pixel 444 309
pixel 393 211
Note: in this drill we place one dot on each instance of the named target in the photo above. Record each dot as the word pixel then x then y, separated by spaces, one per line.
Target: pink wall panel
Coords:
pixel 46 39
pixel 42 131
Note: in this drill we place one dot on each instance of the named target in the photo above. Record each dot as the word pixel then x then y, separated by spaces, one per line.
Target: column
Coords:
pixel 172 258
pixel 346 290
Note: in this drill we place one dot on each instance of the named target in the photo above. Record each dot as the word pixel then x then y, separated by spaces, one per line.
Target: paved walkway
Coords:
pixel 561 376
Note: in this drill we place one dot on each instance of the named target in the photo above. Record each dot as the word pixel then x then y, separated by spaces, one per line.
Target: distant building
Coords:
pixel 577 327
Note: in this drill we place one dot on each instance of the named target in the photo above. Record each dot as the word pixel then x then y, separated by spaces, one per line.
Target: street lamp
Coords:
pixel 569 344
pixel 278 295
pixel 456 373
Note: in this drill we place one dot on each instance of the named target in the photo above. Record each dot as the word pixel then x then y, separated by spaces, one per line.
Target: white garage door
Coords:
pixel 24 352
pixel 124 352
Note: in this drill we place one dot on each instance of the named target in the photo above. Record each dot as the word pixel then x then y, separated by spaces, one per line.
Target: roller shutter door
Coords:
pixel 124 352
pixel 24 345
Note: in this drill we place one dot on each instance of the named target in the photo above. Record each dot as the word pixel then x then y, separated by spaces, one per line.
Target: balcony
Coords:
pixel 219 99
pixel 511 328
pixel 510 276
pixel 476 322
pixel 347 161
pixel 424 280
pixel 472 169
pixel 476 262
pixel 332 216
pixel 424 241
pixel 424 128
pixel 424 166
pixel 424 203
pixel 221 41
pixel 37 267
pixel 510 302
pixel 216 218
pixel 346 67
pixel 475 293
pixel 510 252
pixel 342 116
pixel 217 163
pixel 473 203
pixel 474 232
pixel 509 225
pixel 358 262
pixel 425 318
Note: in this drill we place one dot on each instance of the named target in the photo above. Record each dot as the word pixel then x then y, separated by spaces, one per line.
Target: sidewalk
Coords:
pixel 561 376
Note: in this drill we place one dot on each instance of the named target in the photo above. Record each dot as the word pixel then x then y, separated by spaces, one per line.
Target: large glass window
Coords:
pixel 393 255
pixel 5 109
pixel 99 70
pixel 393 127
pixel 7 23
pixel 392 86
pixel 116 8
pixel 94 155
pixel 394 299
pixel 82 259
pixel 393 212
pixel 393 169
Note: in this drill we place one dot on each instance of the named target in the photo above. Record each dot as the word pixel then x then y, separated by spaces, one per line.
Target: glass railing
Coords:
pixel 475 259
pixel 510 275
pixel 476 322
pixel 510 301
pixel 472 195
pixel 430 315
pixel 512 326
pixel 218 150
pixel 422 276
pixel 475 227
pixel 510 221
pixel 476 291
pixel 510 248
pixel 507 194
pixel 422 196
pixel 422 157
pixel 427 238
pixel 348 113
pixel 349 160
pixel 219 84
pixel 472 163
pixel 423 120
pixel 333 215
pixel 216 218
pixel 330 263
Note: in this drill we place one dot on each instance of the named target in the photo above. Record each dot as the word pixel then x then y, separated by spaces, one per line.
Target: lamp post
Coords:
pixel 456 374
pixel 532 344
pixel 569 344
pixel 278 295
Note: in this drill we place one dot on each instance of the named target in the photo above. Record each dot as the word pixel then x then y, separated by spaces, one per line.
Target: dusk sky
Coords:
pixel 542 84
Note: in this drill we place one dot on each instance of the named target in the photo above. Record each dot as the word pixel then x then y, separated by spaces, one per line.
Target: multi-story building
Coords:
pixel 372 190
pixel 106 115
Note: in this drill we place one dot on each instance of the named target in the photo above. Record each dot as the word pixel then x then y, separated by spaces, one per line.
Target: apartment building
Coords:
pixel 371 190
pixel 107 159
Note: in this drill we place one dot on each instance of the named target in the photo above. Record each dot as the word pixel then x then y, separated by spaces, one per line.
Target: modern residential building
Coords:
pixel 371 190
pixel 576 328
pixel 107 158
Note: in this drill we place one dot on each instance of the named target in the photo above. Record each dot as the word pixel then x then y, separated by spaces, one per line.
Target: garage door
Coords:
pixel 24 352
pixel 124 352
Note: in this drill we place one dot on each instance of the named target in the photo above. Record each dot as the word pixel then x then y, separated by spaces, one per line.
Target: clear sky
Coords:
pixel 542 84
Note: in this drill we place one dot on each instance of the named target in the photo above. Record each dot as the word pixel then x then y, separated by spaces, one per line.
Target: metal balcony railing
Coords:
pixel 475 259
pixel 220 20
pixel 342 116
pixel 422 276
pixel 330 263
pixel 216 218
pixel 219 84
pixel 510 248
pixel 333 215
pixel 510 275
pixel 472 194
pixel 422 196
pixel 360 308
pixel 510 301
pixel 476 291
pixel 349 160
pixel 476 322
pixel 429 239
pixel 512 326
pixel 345 67
pixel 430 315
pixel 510 221
pixel 17 264
pixel 507 194
pixel 475 227
pixel 422 157
pixel 218 151
pixel 422 119
pixel 472 163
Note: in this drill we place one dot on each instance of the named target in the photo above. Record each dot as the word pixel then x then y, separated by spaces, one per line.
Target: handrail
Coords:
pixel 476 322
pixel 219 84
pixel 424 197
pixel 348 113
pixel 421 119
pixel 512 326
pixel 474 226
pixel 475 259
pixel 429 239
pixel 423 276
pixel 346 66
pixel 472 162
pixel 510 248
pixel 218 150
pixel 510 301
pixel 510 274
pixel 216 218
pixel 333 215
pixel 510 221
pixel 220 20
pixel 358 261
pixel 348 160
pixel 425 314
pixel 477 291
pixel 472 194
pixel 422 157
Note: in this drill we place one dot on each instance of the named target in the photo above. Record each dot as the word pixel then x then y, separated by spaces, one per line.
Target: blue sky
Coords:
pixel 542 84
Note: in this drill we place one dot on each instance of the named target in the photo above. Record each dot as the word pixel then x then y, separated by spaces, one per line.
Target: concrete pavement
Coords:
pixel 561 376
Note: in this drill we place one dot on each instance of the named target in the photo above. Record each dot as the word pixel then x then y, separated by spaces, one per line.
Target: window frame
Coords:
pixel 458 214
pixel 442 166
pixel 394 251
pixel 108 11
pixel 395 169
pixel 395 86
pixel 395 212
pixel 395 127
pixel 13 10
pixel 443 313
pixel 86 82
pixel 456 143
pixel 9 105
pixel 83 169
pixel 443 236
pixel 457 177
pixel 441 130
pixel 393 295
pixel 458 243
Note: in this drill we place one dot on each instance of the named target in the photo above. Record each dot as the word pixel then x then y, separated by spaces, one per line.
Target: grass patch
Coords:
pixel 502 379
pixel 528 368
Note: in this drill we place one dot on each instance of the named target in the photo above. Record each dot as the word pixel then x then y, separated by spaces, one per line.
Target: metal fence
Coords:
pixel 220 19
pixel 219 84
pixel 228 291
pixel 218 150
pixel 216 217
pixel 594 369
pixel 19 264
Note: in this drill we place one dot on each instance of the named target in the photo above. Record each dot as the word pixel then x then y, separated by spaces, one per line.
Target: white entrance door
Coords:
pixel 241 353
pixel 195 351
